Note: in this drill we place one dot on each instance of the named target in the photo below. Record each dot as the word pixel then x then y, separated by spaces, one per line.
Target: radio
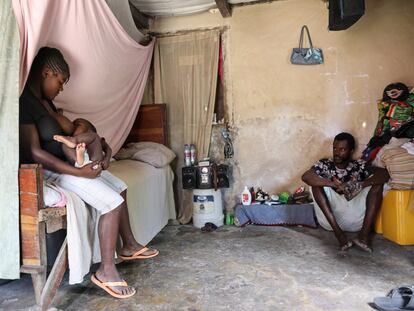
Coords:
pixel 208 176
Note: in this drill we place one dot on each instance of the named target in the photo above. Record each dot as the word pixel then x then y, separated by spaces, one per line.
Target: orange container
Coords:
pixel 378 222
pixel 397 217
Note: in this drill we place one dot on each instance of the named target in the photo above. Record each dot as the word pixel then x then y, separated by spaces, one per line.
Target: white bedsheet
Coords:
pixel 150 196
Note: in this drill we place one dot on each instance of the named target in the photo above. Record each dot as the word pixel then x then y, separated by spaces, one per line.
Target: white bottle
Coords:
pixel 192 154
pixel 246 196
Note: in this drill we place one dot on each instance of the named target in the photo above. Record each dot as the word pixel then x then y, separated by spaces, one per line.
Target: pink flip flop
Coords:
pixel 139 254
pixel 106 286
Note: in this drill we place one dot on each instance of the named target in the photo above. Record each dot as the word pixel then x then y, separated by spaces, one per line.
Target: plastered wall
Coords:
pixel 283 116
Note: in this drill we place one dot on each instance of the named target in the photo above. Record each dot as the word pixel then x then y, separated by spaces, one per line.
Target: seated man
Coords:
pixel 347 193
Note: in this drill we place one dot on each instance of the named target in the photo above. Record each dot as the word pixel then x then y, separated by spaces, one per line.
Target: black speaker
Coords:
pixel 223 176
pixel 189 174
pixel 344 13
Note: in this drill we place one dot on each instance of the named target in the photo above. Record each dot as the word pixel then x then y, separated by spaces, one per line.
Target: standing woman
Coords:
pixel 92 183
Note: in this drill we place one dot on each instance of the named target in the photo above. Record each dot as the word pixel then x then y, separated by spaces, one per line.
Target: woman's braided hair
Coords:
pixel 51 58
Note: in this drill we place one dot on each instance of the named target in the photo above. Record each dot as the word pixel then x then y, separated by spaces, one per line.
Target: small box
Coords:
pixel 397 216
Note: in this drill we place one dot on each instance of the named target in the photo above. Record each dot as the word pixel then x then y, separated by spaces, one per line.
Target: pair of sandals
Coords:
pixel 398 299
pixel 107 286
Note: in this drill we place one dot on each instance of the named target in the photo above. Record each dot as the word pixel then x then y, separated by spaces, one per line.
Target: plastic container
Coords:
pixel 396 217
pixel 246 196
pixel 187 155
pixel 193 154
pixel 207 207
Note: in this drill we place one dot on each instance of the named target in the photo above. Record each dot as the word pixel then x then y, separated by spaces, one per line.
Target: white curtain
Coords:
pixel 9 137
pixel 185 78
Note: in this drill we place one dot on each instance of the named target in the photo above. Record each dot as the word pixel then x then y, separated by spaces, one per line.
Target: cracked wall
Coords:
pixel 285 116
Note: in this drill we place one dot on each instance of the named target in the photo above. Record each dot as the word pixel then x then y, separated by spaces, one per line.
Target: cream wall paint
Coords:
pixel 284 116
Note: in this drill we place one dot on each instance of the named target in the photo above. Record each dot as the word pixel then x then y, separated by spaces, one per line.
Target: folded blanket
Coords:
pixel 274 215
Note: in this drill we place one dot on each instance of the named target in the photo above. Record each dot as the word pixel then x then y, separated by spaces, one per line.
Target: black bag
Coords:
pixel 306 56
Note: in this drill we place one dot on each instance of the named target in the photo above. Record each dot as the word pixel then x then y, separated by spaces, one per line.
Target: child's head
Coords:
pixel 83 126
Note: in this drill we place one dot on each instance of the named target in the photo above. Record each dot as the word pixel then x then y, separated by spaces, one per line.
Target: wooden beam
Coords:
pixel 140 19
pixel 224 8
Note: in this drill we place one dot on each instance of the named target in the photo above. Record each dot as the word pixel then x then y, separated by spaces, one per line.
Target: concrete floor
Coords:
pixel 252 268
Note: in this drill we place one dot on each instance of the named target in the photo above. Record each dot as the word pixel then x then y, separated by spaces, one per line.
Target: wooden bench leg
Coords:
pixel 55 277
pixel 39 281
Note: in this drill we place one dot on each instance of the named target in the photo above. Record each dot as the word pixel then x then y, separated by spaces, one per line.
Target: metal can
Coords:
pixel 193 155
pixel 187 160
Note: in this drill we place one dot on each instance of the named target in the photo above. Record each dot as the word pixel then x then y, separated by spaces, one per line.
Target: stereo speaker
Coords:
pixel 223 176
pixel 189 174
pixel 344 13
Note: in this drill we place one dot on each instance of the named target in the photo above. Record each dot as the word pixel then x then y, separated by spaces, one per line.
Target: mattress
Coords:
pixel 150 196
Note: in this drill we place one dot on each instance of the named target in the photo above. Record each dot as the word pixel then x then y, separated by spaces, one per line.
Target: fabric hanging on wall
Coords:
pixel 185 77
pixel 122 12
pixel 9 137
pixel 108 68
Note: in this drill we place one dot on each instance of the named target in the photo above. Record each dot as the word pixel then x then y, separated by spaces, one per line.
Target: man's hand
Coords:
pixel 314 180
pixel 91 170
pixel 336 183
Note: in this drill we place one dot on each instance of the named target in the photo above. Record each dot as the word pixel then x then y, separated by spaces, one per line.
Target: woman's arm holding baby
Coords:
pixel 30 145
pixel 108 154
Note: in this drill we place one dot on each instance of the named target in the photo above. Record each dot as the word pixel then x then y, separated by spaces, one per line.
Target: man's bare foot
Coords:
pixel 363 245
pixel 111 275
pixel 344 243
pixel 65 140
pixel 347 246
pixel 80 153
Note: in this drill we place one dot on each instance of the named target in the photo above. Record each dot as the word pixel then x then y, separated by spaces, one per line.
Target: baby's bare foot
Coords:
pixel 80 153
pixel 64 140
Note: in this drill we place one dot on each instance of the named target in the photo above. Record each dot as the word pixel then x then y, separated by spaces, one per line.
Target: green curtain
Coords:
pixel 9 139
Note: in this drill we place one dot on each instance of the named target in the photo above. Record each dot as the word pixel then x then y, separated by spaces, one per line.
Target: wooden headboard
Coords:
pixel 150 125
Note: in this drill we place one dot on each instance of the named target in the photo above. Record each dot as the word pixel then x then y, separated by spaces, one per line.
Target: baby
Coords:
pixel 84 145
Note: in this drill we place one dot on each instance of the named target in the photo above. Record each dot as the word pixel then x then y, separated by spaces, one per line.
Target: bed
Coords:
pixel 150 194
pixel 150 203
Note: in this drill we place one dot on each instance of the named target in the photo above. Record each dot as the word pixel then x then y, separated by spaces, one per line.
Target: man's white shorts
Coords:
pixel 102 193
pixel 348 214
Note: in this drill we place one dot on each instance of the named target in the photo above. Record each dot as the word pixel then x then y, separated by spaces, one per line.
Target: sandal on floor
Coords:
pixel 362 245
pixel 140 254
pixel 208 227
pixel 106 286
pixel 400 298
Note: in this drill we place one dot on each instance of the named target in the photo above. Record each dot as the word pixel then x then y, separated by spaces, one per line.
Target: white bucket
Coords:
pixel 207 207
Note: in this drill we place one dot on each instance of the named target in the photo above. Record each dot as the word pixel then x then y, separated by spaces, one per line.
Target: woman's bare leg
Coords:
pixel 130 245
pixel 108 233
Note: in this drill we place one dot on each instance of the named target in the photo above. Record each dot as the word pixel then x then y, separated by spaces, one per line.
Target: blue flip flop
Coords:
pixel 398 299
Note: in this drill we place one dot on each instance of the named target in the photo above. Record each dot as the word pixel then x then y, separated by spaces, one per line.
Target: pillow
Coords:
pixel 152 153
